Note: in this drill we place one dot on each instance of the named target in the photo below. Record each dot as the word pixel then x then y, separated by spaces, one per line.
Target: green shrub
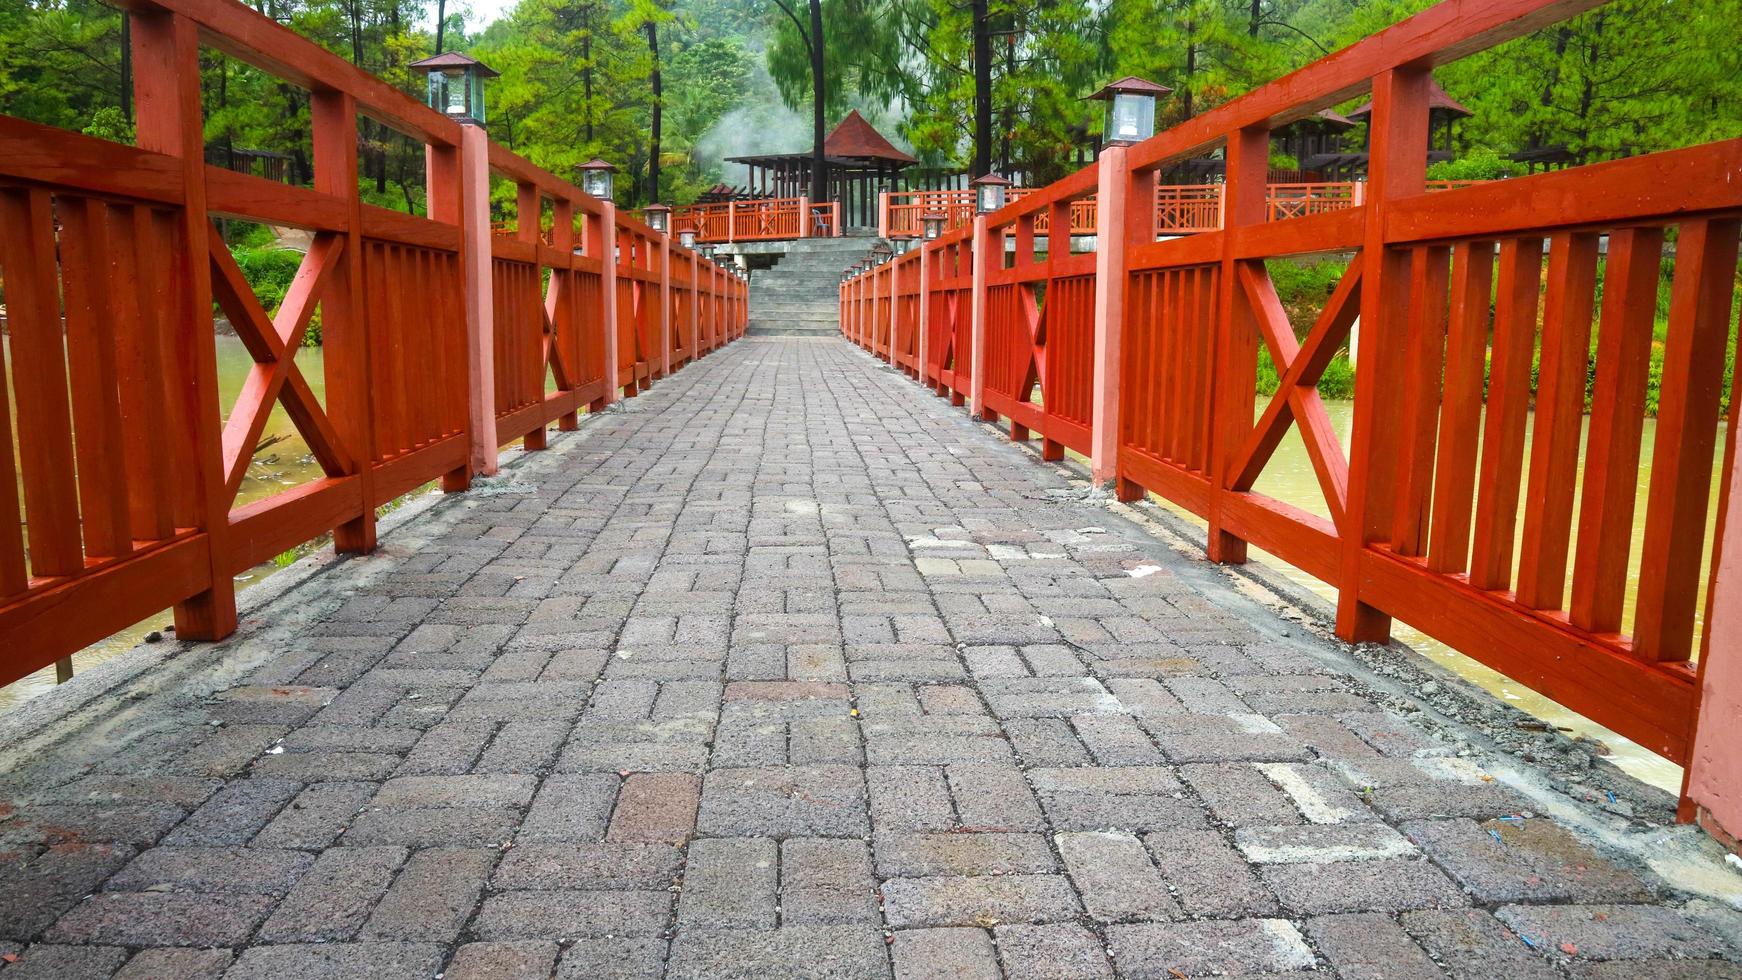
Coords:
pixel 269 272
pixel 1478 164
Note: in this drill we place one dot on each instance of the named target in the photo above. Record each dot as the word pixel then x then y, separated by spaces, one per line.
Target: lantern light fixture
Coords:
pixel 990 192
pixel 456 85
pixel 686 236
pixel 933 224
pixel 880 253
pixel 658 217
pixel 1130 115
pixel 597 179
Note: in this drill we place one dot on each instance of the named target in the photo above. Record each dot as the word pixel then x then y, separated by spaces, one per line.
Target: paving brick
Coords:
pixel 993 798
pixel 1164 951
pixel 67 962
pixel 814 952
pixel 1208 877
pixel 432 897
pixel 177 964
pixel 438 791
pixel 1115 878
pixel 1051 952
pixel 316 817
pixel 564 915
pixel 331 901
pixel 827 882
pixel 1390 885
pixel 730 883
pixel 34 891
pixel 902 855
pixel 162 919
pixel 587 866
pixel 235 813
pixel 571 808
pixel 655 807
pixel 612 958
pixel 1369 946
pixel 802 801
pixel 967 901
pixel 909 798
pixel 1321 844
pixel 1523 860
pixel 1616 932
pixel 1473 945
pixel 527 960
pixel 945 954
pixel 212 869
pixel 337 961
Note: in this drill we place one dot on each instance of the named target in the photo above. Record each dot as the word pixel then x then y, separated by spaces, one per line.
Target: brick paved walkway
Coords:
pixel 788 670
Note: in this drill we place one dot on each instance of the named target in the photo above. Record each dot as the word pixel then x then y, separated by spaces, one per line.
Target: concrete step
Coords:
pixel 775 328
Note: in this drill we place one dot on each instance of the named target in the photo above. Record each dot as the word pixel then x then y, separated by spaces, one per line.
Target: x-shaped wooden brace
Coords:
pixel 1297 397
pixel 273 344
pixel 1033 318
pixel 553 350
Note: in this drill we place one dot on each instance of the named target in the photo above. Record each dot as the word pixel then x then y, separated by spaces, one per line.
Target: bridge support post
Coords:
pixel 1113 180
pixel 480 311
pixel 602 230
pixel 977 324
pixel 1712 785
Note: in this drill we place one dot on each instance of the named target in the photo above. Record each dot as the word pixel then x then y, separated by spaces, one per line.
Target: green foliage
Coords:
pixel 269 272
pixel 1481 163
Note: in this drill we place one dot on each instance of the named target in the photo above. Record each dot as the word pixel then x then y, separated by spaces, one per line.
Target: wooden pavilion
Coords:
pixel 861 163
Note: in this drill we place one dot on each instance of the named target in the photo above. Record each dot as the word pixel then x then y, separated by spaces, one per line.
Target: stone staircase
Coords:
pixel 798 295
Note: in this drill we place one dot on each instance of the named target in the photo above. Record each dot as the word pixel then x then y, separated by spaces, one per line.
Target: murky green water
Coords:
pixel 282 464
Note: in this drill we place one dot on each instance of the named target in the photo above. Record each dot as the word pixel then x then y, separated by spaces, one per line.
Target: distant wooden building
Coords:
pixel 861 164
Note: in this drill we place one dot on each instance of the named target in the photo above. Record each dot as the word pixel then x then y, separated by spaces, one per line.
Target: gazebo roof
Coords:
pixel 854 137
pixel 1437 101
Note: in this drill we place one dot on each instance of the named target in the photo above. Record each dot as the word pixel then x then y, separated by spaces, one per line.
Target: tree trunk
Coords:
pixel 653 142
pixel 127 66
pixel 1254 18
pixel 587 66
pixel 982 91
pixel 441 23
pixel 1191 67
pixel 819 160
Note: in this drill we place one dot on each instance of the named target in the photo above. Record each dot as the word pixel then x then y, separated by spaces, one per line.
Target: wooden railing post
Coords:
pixel 1397 167
pixel 664 305
pixel 344 337
pixel 560 306
pixel 475 259
pixel 804 217
pixel 697 270
pixel 528 216
pixel 1712 787
pixel 1112 223
pixel 923 345
pixel 166 77
pixel 1235 340
pixel 442 177
pixel 606 235
pixel 977 325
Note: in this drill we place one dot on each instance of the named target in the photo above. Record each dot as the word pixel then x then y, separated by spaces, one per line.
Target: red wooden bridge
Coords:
pixel 1141 355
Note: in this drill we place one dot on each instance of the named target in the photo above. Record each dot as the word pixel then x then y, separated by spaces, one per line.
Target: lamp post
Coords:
pixel 1130 114
pixel 933 224
pixel 456 85
pixel 658 217
pixel 597 179
pixel 989 193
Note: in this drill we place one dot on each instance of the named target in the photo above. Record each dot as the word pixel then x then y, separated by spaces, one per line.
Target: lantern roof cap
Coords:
pixel 991 178
pixel 454 59
pixel 933 216
pixel 1130 83
pixel 656 206
pixel 598 164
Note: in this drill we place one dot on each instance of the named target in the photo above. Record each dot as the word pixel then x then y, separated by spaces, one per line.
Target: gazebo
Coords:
pixel 861 162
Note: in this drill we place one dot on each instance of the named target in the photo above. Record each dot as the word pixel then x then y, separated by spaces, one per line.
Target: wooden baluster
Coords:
pixel 1424 359
pixel 1461 407
pixel 1687 419
pixel 1519 274
pixel 1233 394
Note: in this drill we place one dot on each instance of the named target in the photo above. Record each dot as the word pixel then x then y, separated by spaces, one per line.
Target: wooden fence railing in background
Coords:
pixel 442 340
pixel 764 220
pixel 1143 356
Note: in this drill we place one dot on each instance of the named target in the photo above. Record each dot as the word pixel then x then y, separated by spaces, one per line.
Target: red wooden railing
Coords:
pixel 765 220
pixel 441 342
pixel 1143 356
